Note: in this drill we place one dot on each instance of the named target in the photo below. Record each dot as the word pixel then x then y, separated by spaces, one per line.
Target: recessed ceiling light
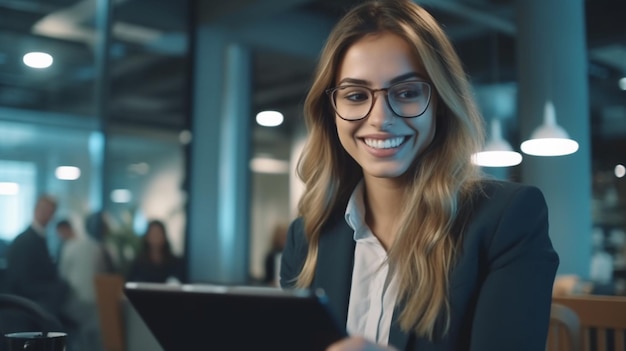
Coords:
pixel 67 173
pixel 269 165
pixel 185 137
pixel 121 196
pixel 269 118
pixel 140 168
pixel 38 60
pixel 9 188
pixel 622 83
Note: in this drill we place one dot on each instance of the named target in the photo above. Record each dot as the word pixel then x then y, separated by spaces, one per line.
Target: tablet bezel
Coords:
pixel 221 317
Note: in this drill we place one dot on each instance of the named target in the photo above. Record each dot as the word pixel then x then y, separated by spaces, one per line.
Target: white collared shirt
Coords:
pixel 374 289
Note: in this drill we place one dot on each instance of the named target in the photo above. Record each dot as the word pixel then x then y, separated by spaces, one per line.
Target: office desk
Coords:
pixel 138 336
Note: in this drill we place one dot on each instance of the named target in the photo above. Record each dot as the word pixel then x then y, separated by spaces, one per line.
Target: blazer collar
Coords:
pixel 335 262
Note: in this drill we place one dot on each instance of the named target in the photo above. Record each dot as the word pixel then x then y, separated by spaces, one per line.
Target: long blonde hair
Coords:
pixel 426 243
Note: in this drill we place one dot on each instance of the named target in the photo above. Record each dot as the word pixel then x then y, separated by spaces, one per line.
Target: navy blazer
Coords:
pixel 500 289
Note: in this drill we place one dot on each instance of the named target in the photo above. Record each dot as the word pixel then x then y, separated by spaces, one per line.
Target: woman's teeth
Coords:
pixel 384 144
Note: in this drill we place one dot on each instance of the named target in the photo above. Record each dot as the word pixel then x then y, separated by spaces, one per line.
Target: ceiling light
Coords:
pixel 269 118
pixel 497 152
pixel 620 171
pixel 9 188
pixel 185 137
pixel 622 83
pixel 269 165
pixel 121 196
pixel 140 168
pixel 549 139
pixel 67 173
pixel 37 60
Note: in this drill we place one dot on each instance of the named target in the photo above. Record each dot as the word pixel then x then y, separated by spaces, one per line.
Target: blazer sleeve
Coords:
pixel 294 254
pixel 513 306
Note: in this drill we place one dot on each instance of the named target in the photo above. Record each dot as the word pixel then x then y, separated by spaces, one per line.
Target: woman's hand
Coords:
pixel 358 344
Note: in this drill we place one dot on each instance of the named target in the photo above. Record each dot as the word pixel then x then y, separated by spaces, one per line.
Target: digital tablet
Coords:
pixel 216 317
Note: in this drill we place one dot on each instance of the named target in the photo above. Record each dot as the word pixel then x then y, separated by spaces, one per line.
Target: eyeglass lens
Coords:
pixel 406 99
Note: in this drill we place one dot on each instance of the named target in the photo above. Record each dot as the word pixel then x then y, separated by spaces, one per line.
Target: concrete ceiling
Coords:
pixel 149 67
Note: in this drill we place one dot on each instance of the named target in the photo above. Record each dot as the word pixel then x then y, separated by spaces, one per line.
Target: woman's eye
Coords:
pixel 407 94
pixel 355 96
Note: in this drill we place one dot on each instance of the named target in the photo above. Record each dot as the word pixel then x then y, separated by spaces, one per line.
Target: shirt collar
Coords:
pixel 355 213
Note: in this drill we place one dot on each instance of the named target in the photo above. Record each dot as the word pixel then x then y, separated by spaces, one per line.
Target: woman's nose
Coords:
pixel 380 114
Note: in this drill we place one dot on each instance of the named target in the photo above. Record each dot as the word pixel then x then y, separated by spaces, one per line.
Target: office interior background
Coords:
pixel 152 105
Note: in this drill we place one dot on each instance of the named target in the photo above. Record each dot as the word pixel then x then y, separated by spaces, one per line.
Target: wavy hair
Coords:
pixel 426 243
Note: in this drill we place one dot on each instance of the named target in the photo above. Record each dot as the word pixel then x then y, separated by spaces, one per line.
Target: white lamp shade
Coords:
pixel 549 147
pixel 497 152
pixel 549 139
pixel 497 158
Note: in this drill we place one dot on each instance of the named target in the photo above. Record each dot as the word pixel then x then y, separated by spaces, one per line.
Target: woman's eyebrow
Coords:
pixel 397 79
pixel 354 81
pixel 405 77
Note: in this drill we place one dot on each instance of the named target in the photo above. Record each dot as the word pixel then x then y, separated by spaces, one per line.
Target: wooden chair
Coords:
pixel 602 320
pixel 564 330
pixel 109 296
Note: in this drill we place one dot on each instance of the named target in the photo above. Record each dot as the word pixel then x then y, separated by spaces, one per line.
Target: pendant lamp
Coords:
pixel 497 152
pixel 549 139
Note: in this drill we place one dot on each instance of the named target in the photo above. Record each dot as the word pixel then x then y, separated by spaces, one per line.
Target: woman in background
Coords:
pixel 414 248
pixel 156 263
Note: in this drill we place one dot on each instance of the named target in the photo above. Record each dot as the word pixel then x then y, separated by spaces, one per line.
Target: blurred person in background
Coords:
pixel 156 263
pixel 31 273
pixel 80 260
pixel 120 242
pixel 4 245
pixel 98 229
pixel 272 258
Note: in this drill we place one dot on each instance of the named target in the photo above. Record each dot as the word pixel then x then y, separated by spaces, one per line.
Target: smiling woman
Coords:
pixel 415 249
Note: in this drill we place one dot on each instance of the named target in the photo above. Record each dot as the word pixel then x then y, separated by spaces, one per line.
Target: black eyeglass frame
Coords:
pixel 331 91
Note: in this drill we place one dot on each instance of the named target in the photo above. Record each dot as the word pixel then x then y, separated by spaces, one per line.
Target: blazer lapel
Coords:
pixel 397 337
pixel 335 261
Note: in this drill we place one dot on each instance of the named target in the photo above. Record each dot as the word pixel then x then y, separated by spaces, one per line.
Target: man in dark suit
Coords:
pixel 31 273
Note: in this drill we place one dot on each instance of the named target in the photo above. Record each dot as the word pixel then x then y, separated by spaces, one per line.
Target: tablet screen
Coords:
pixel 216 317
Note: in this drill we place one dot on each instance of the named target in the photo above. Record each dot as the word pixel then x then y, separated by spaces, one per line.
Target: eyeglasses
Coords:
pixel 408 99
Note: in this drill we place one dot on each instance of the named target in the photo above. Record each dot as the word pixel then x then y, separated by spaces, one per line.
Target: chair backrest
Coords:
pixel 37 314
pixel 602 320
pixel 564 330
pixel 109 295
pixel 19 314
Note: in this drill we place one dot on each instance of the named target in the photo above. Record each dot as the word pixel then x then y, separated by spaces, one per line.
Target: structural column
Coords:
pixel 552 64
pixel 98 139
pixel 218 223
